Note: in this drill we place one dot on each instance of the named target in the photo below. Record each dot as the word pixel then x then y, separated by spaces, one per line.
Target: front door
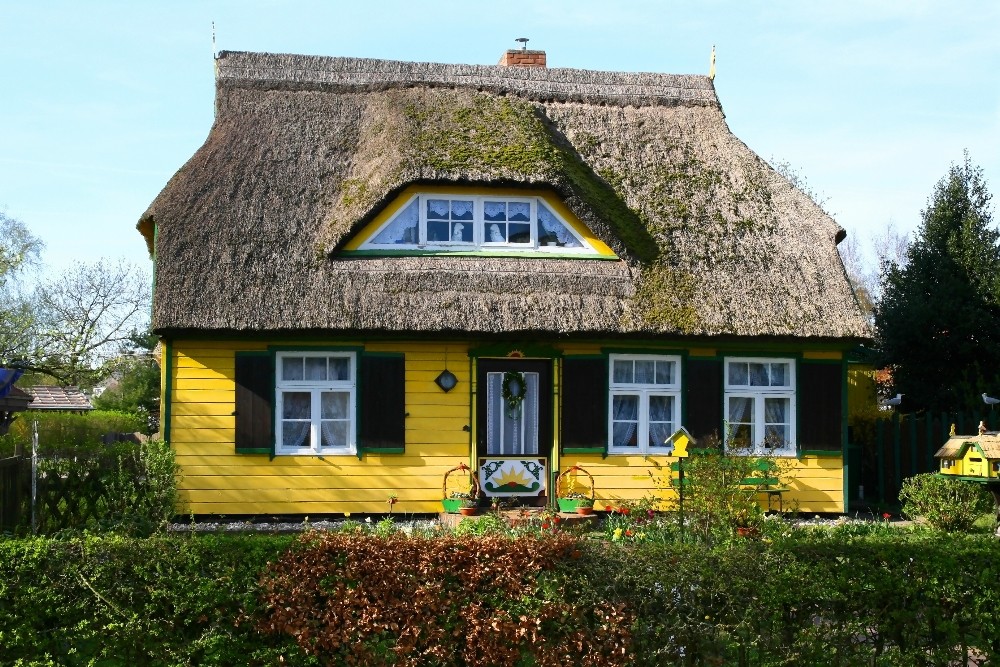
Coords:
pixel 514 427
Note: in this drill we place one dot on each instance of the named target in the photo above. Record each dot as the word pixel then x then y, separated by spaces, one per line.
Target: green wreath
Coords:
pixel 513 400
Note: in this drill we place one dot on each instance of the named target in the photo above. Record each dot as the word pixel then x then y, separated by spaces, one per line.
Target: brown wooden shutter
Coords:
pixel 703 398
pixel 254 403
pixel 382 403
pixel 820 407
pixel 584 389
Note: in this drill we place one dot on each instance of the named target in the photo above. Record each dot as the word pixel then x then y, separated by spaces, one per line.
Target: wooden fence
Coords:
pixel 15 493
pixel 902 446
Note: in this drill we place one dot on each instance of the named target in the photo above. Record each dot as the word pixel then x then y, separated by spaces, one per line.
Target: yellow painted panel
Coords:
pixel 193 456
pixel 202 409
pixel 374 499
pixel 203 435
pixel 227 396
pixel 437 411
pixel 454 397
pixel 412 449
pixel 203 421
pixel 430 473
pixel 822 354
pixel 367 486
pixel 312 509
pixel 187 382
pixel 438 423
pixel 200 371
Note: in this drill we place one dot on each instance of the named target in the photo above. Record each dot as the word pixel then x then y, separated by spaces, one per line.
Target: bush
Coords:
pixel 448 601
pixel 62 433
pixel 815 597
pixel 946 503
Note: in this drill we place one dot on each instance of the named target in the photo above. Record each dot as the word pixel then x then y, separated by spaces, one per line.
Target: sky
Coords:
pixel 871 102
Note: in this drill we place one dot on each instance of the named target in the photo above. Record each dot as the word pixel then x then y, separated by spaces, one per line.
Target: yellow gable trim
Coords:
pixel 410 191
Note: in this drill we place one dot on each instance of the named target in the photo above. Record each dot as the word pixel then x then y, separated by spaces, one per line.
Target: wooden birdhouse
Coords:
pixel 973 456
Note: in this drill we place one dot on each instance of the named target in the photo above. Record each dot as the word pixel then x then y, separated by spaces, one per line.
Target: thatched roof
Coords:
pixel 989 443
pixel 306 150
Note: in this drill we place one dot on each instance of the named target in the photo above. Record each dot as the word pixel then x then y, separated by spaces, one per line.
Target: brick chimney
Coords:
pixel 522 58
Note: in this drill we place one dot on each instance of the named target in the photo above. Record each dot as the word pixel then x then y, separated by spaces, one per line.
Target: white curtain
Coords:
pixel 403 228
pixel 740 421
pixel 625 416
pixel 511 433
pixel 554 227
pixel 776 419
pixel 296 409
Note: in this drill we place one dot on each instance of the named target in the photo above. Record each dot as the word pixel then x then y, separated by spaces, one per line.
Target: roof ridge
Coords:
pixel 241 68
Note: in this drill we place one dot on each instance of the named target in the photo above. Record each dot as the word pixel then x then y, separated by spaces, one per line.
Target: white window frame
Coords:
pixel 759 394
pixel 315 388
pixel 644 391
pixel 479 235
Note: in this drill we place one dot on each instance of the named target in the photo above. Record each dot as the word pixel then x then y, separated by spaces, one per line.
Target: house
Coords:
pixel 50 398
pixel 12 399
pixel 971 456
pixel 373 271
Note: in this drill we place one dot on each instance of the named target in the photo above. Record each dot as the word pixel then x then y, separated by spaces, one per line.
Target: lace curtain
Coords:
pixel 511 433
pixel 296 411
pixel 552 226
pixel 625 418
pixel 404 228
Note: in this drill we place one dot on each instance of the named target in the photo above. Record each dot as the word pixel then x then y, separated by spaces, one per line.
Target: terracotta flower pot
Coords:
pixel 585 510
pixel 467 511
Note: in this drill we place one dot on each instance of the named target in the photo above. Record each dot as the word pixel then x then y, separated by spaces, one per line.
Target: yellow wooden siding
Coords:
pixel 815 483
pixel 216 480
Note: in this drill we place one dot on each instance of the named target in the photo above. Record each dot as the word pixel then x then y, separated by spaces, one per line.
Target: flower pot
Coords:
pixel 584 510
pixel 451 505
pixel 468 511
pixel 569 504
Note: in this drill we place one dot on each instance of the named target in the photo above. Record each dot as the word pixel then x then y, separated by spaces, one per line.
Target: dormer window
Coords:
pixel 477 223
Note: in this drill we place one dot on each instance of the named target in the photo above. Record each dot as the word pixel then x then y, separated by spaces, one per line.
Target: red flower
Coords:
pixel 624 510
pixel 628 533
pixel 650 513
pixel 886 516
pixel 557 519
pixel 545 526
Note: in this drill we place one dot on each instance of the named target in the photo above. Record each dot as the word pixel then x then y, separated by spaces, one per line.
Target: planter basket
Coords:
pixel 571 504
pixel 453 505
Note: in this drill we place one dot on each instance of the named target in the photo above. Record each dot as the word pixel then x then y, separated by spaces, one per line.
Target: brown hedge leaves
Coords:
pixel 473 601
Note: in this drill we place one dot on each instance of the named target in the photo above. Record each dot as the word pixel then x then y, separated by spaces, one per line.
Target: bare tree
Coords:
pixel 84 317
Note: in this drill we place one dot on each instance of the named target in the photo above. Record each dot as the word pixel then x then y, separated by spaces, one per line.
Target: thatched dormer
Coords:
pixel 306 151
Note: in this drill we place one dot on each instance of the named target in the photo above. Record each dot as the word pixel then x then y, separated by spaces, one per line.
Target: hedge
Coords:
pixel 906 599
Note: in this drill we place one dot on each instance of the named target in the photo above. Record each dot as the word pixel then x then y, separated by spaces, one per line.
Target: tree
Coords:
pixel 20 251
pixel 938 320
pixel 84 316
pixel 134 380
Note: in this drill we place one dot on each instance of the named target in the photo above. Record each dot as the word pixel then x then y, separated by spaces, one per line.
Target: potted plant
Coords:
pixel 568 497
pixel 470 506
pixel 468 494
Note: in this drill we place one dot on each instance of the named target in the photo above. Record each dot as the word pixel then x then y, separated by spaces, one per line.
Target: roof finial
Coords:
pixel 215 54
pixel 524 43
pixel 711 66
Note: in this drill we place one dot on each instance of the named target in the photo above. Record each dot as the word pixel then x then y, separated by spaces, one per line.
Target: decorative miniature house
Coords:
pixel 975 456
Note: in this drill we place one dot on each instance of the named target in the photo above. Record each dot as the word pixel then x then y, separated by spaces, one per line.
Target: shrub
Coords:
pixel 946 503
pixel 449 601
pixel 62 433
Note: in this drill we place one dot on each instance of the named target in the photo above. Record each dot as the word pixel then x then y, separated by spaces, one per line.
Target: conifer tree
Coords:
pixel 938 321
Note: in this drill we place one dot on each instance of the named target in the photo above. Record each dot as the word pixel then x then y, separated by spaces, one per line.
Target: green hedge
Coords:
pixel 61 432
pixel 906 599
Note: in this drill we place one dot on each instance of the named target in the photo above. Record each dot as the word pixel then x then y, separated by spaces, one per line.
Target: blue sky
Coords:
pixel 871 101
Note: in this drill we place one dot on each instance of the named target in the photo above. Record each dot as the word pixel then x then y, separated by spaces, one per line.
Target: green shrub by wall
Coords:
pixel 811 599
pixel 61 432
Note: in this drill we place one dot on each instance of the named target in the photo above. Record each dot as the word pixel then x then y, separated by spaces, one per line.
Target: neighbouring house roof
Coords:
pixel 47 397
pixel 305 151
pixel 15 400
pixel 956 445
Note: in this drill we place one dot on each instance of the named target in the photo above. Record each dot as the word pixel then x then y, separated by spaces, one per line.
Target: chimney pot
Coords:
pixel 522 58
